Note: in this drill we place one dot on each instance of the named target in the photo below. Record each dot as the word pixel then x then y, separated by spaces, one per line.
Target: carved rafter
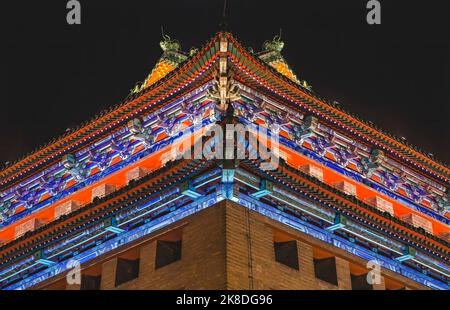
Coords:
pixel 52 183
pixel 141 133
pixel 345 154
pixel 122 146
pixel 306 130
pixel 169 123
pixel 369 165
pixel 193 110
pixel 276 120
pixel 100 158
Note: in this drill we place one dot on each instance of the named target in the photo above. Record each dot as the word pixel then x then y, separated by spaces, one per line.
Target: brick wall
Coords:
pixel 229 247
pixel 265 273
pixel 202 264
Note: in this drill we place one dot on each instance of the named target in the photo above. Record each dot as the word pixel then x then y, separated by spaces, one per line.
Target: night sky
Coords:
pixel 55 76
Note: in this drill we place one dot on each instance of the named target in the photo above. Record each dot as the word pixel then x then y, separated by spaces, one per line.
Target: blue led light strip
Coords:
pixel 244 201
pixel 120 240
pixel 110 170
pixel 95 232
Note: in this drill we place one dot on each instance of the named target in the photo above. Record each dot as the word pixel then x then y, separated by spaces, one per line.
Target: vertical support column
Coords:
pixel 147 255
pixel 223 73
pixel 109 274
pixel 306 263
pixel 237 254
pixel 343 274
pixel 228 170
pixel 73 287
pixel 147 264
pixel 381 286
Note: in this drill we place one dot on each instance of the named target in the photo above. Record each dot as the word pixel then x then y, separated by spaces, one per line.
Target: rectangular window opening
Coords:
pixel 128 266
pixel 359 282
pixel 325 270
pixel 127 270
pixel 286 251
pixel 168 249
pixel 90 282
pixel 358 275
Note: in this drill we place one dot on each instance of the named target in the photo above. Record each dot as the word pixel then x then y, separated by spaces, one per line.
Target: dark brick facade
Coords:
pixel 228 247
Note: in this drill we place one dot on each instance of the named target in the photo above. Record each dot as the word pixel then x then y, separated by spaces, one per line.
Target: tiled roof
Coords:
pixel 165 81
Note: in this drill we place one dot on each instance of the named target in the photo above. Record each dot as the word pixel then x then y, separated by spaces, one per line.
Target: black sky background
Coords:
pixel 55 76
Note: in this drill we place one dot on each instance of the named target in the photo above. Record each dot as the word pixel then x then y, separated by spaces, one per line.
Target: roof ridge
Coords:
pixel 132 96
pixel 431 161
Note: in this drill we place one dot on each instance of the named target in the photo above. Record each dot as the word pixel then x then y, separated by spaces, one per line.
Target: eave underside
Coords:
pixel 261 76
pixel 186 187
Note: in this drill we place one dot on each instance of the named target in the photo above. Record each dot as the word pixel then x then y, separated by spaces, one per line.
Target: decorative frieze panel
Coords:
pixel 27 226
pixel 370 163
pixel 103 190
pixel 169 123
pixel 66 208
pixel 416 193
pixel 122 143
pixel 100 158
pixel 27 198
pixel 322 144
pixel 78 169
pixel 300 133
pixel 276 121
pixel 123 147
pixel 418 221
pixel 6 210
pixel 194 111
pixel 52 183
pixel 443 202
pixel 344 154
pixel 250 110
pixel 381 204
pixel 346 187
pixel 393 180
pixel 140 133
pixel 313 171
pixel 136 173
